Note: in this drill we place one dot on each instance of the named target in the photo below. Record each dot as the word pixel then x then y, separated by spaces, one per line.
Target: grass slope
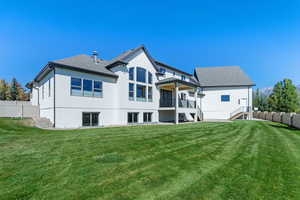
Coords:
pixel 240 160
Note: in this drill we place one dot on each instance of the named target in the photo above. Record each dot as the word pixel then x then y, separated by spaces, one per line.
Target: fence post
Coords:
pixel 22 111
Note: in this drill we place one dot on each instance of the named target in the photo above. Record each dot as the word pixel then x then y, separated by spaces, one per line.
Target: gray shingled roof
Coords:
pixel 86 62
pixel 222 76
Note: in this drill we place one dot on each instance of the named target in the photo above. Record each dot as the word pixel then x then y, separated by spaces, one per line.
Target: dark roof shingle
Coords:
pixel 222 76
pixel 86 62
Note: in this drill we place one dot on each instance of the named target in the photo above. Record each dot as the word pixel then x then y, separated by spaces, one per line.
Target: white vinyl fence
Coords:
pixel 18 109
pixel 291 119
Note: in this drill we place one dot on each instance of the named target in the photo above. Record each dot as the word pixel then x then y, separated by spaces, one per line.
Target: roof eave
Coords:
pixel 172 68
pixel 82 70
pixel 240 85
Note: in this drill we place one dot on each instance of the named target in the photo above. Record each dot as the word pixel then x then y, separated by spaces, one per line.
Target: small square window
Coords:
pixel 162 70
pixel 225 98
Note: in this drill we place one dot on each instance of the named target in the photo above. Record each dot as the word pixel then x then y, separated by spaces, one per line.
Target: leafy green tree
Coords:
pixel 260 101
pixel 290 97
pixel 284 97
pixel 275 100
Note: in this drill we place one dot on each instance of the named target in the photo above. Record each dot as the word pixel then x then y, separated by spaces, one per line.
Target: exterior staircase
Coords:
pixel 199 114
pixel 242 112
pixel 43 123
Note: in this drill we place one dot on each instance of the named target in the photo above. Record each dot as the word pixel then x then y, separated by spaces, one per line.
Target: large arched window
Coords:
pixel 140 75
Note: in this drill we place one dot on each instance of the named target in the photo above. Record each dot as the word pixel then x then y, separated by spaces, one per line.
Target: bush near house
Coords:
pixel 239 160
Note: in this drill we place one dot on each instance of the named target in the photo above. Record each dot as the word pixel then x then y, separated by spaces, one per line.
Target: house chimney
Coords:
pixel 94 56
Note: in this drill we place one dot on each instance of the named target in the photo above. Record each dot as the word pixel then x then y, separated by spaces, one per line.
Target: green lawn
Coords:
pixel 240 160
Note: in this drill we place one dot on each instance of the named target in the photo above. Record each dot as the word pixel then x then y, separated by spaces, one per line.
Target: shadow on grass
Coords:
pixel 282 126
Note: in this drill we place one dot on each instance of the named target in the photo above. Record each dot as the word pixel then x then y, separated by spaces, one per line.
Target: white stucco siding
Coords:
pixel 46 95
pixel 69 108
pixel 34 96
pixel 214 108
pixel 125 105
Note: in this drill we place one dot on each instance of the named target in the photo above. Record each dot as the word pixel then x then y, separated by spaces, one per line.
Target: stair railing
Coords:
pixel 239 110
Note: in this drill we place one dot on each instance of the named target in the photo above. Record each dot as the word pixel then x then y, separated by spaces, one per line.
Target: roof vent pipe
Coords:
pixel 94 56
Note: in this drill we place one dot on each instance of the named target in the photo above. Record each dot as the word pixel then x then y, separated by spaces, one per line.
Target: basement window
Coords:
pixel 90 119
pixel 132 117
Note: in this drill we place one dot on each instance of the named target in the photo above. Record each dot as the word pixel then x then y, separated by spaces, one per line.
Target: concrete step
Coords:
pixel 43 122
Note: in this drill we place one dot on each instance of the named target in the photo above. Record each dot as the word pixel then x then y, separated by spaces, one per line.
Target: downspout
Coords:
pixel 54 99
pixel 248 102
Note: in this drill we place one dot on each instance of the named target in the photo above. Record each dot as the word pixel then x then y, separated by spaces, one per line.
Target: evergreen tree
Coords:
pixel 3 90
pixel 13 91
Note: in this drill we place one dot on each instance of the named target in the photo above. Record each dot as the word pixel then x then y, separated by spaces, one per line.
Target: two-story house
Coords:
pixel 135 88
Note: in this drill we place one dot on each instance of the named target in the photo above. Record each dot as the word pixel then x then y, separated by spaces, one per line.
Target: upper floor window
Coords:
pixel 225 98
pixel 183 77
pixel 76 86
pixel 149 93
pixel 140 92
pixel 174 73
pixel 98 90
pixel 162 70
pixel 86 87
pixel 149 78
pixel 131 73
pixel 141 75
pixel 131 91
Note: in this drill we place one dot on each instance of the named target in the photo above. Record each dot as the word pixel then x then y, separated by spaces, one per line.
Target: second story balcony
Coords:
pixel 169 103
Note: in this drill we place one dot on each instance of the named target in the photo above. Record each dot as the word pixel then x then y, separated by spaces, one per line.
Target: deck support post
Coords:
pixel 196 109
pixel 176 103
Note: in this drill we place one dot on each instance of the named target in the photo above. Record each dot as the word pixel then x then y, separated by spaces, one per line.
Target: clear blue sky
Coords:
pixel 263 37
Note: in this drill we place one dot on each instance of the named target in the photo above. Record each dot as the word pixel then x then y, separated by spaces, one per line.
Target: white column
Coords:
pixel 176 103
pixel 196 114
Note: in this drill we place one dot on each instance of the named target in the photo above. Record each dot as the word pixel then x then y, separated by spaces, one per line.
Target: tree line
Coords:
pixel 13 91
pixel 284 98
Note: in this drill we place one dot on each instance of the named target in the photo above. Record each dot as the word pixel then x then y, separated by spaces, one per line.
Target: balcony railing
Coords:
pixel 181 103
pixel 167 103
pixel 186 104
